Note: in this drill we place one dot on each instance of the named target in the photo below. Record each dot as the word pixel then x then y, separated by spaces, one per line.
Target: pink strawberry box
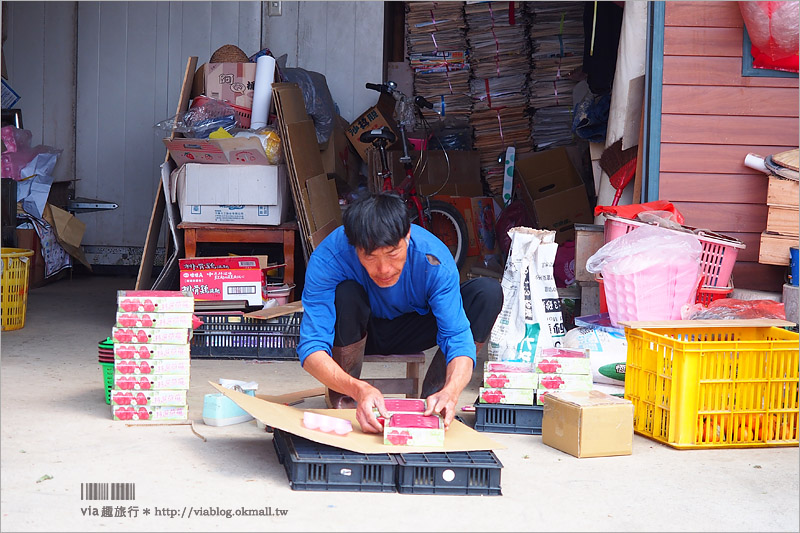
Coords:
pixel 507 366
pixel 565 352
pixel 563 365
pixel 506 396
pixel 130 412
pixel 151 335
pixel 151 382
pixel 152 351
pixel 571 382
pixel 148 398
pixel 155 320
pixel 152 366
pixel 412 429
pixel 511 380
pixel 154 302
pixel 400 405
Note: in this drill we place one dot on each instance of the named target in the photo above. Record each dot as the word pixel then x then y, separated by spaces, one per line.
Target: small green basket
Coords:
pixel 108 379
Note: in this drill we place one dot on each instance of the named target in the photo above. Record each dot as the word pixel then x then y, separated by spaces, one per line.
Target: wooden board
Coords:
pixel 775 249
pixel 788 159
pixel 783 192
pixel 732 101
pixel 755 276
pixel 705 42
pixel 708 159
pixel 703 14
pixel 739 323
pixel 144 277
pixel 725 129
pixel 692 70
pixel 728 188
pixel 724 218
pixel 783 220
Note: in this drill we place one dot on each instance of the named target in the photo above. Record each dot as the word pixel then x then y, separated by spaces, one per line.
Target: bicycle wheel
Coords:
pixel 448 225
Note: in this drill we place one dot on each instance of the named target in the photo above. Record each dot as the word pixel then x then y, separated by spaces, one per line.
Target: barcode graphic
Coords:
pixel 108 491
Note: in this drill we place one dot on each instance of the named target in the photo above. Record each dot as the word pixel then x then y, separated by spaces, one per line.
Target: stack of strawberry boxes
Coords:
pixel 514 383
pixel 151 355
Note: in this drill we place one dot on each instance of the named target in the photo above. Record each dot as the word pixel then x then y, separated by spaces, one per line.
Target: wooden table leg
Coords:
pixel 190 242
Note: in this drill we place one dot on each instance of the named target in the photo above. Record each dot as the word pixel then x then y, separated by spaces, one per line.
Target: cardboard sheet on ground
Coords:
pixel 459 438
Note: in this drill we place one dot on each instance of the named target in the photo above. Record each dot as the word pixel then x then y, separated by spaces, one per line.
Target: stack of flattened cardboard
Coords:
pixel 500 61
pixel 314 193
pixel 783 219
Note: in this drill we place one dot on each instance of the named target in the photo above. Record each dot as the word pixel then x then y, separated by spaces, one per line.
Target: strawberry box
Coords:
pixel 151 382
pixel 400 405
pixel 225 284
pixel 154 302
pixel 155 320
pixel 226 262
pixel 152 366
pixel 413 429
pixel 130 412
pixel 506 396
pixel 148 398
pixel 510 380
pixel 507 366
pixel 152 351
pixel 563 365
pixel 569 382
pixel 151 335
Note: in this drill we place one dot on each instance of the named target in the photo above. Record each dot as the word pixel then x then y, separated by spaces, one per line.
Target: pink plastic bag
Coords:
pixel 773 28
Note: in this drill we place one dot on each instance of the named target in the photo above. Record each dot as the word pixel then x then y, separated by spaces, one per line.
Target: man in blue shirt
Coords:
pixel 380 284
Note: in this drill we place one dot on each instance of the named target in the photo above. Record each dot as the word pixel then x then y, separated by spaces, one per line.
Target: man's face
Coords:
pixel 385 265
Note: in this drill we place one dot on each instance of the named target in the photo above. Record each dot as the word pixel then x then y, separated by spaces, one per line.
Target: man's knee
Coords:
pixel 483 300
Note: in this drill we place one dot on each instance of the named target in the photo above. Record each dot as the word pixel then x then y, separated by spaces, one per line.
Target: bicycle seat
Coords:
pixel 373 135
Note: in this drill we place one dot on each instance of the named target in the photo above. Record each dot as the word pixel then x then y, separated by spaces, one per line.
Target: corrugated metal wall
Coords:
pixel 712 117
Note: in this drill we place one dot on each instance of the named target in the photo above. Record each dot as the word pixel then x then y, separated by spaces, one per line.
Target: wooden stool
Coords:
pixel 409 385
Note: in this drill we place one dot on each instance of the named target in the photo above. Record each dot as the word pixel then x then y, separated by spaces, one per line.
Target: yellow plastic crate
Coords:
pixel 714 387
pixel 14 277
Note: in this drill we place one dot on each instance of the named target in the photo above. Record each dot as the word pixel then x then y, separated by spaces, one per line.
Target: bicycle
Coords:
pixel 438 217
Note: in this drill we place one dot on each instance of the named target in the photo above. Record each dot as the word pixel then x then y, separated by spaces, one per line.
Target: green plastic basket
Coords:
pixel 108 379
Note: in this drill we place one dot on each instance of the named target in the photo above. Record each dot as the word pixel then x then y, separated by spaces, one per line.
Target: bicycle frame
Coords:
pixel 407 188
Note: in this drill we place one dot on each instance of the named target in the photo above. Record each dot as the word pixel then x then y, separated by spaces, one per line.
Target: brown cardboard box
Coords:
pixel 553 192
pixel 464 178
pixel 377 116
pixel 588 423
pixel 588 239
pixel 339 158
pixel 233 82
pixel 29 240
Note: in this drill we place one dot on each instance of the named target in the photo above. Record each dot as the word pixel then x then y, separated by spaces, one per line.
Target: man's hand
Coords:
pixel 443 402
pixel 367 398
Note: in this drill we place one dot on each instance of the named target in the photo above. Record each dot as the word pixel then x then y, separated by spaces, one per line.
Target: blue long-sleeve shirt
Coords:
pixel 422 288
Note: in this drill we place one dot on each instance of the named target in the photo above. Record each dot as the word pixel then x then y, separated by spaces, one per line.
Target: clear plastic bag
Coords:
pixel 200 120
pixel 643 248
pixel 732 309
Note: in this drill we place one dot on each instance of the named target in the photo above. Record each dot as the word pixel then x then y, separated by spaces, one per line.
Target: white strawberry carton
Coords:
pixel 152 366
pixel 563 361
pixel 149 398
pixel 158 413
pixel 506 396
pixel 151 382
pixel 507 366
pixel 510 380
pixel 152 351
pixel 400 405
pixel 413 429
pixel 569 382
pixel 155 302
pixel 151 335
pixel 155 320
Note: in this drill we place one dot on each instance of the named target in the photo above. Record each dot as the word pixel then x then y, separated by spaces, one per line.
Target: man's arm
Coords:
pixel 459 372
pixel 320 365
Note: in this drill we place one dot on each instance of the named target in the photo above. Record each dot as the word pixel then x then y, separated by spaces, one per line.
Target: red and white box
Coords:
pixel 130 412
pixel 568 382
pixel 154 302
pixel 227 262
pixel 149 398
pixel 151 382
pixel 150 335
pixel 507 366
pixel 239 284
pixel 414 429
pixel 153 366
pixel 506 396
pixel 511 380
pixel 155 320
pixel 152 351
pixel 563 361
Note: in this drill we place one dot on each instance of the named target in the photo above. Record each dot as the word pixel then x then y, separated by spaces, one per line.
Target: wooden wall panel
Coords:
pixel 755 101
pixel 724 218
pixel 727 188
pixel 705 159
pixel 721 71
pixel 755 276
pixel 706 42
pixel 736 129
pixel 708 14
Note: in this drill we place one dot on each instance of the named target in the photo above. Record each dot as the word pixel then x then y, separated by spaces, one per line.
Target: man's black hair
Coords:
pixel 376 220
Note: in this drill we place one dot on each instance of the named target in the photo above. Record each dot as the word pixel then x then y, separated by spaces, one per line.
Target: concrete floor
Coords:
pixel 55 422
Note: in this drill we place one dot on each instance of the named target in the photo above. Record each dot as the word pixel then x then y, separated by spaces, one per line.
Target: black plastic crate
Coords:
pixel 234 336
pixel 464 473
pixel 313 466
pixel 502 418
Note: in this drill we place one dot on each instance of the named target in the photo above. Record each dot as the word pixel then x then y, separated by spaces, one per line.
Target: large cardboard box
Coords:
pixel 29 240
pixel 231 194
pixel 588 423
pixel 554 192
pixel 224 284
pixel 588 239
pixel 463 178
pixel 233 82
pixel 377 116
pixel 231 151
pixel 339 158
